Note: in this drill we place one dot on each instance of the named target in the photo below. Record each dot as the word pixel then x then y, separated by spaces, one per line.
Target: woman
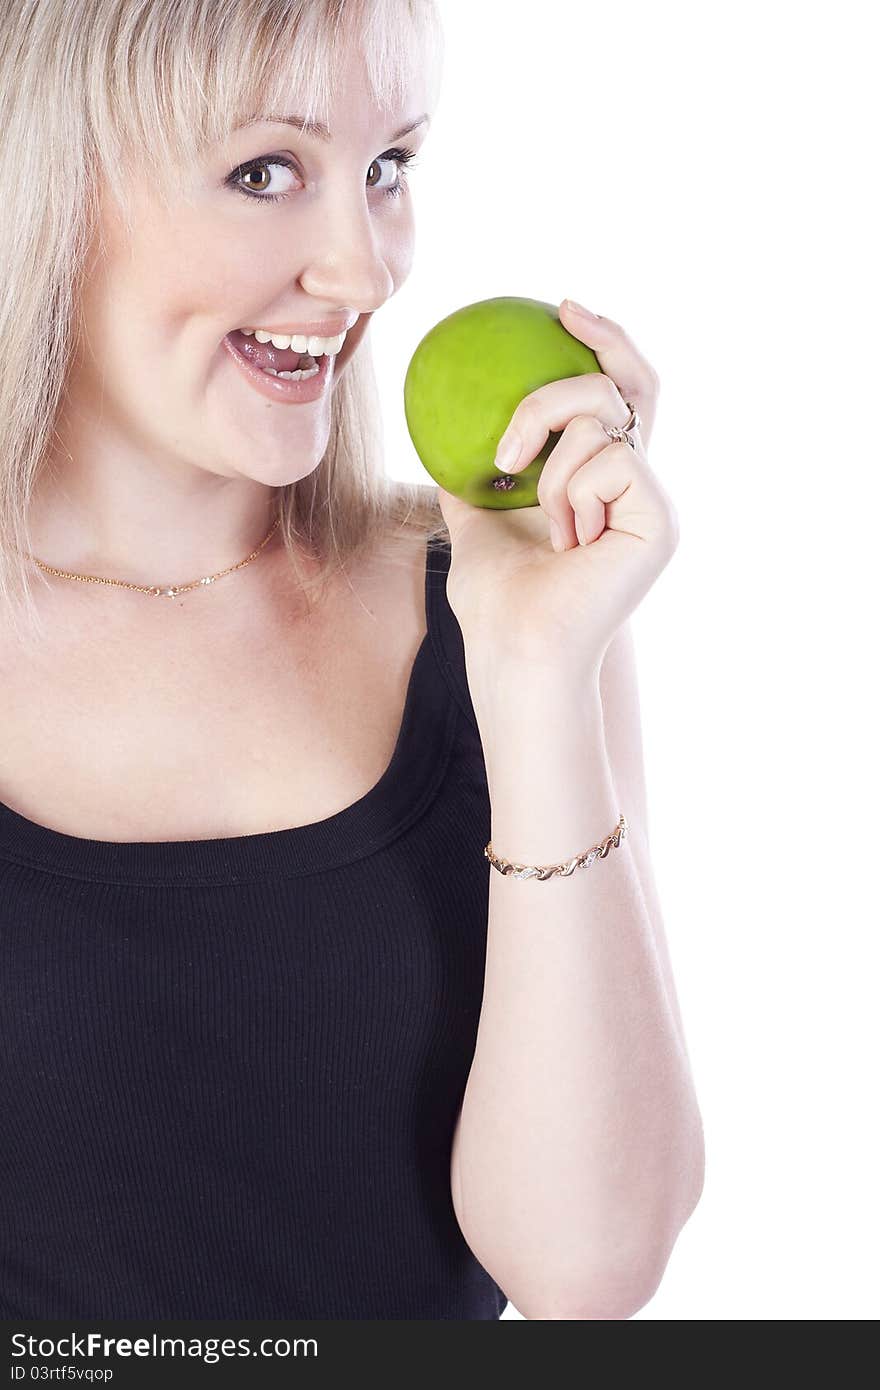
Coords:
pixel 276 1047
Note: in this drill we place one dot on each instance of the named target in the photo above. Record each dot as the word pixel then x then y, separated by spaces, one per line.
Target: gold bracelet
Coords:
pixel 580 861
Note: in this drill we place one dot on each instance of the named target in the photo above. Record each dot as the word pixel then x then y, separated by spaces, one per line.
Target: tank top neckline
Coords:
pixel 400 796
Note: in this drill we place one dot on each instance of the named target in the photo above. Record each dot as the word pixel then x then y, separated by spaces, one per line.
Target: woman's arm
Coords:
pixel 578 1153
pixel 622 724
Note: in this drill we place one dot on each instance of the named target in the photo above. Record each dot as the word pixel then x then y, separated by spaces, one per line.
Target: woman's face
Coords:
pixel 286 230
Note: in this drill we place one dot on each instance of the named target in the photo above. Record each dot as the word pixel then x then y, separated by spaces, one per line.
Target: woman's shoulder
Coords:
pixel 414 530
pixel 415 507
pixel 430 555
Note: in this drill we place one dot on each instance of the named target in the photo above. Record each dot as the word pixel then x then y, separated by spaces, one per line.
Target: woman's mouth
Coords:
pixel 280 374
pixel 274 360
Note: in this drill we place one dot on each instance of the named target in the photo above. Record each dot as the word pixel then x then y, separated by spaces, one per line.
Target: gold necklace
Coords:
pixel 158 590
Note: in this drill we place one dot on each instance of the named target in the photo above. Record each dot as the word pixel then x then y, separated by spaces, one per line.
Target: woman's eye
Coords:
pixel 253 180
pixel 400 159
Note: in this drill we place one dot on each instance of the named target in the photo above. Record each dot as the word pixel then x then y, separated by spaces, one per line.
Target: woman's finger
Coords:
pixel 619 357
pixel 582 438
pixel 551 408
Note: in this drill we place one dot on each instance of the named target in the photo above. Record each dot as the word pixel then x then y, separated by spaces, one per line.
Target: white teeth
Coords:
pixel 299 342
pixel 301 375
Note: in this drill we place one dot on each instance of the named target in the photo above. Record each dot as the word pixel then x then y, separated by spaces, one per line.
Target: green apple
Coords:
pixel 466 378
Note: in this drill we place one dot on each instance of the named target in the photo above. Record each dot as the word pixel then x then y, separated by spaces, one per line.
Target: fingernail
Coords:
pixel 579 309
pixel 580 530
pixel 555 536
pixel 509 449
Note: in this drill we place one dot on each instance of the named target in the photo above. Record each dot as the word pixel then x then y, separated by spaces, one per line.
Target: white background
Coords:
pixel 702 174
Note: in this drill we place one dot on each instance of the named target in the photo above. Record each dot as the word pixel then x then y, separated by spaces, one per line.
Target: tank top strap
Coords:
pixel 444 633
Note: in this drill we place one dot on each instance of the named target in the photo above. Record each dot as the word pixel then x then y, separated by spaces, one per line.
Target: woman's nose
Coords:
pixel 348 263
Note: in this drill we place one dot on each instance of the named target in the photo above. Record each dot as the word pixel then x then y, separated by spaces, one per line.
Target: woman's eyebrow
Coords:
pixel 318 129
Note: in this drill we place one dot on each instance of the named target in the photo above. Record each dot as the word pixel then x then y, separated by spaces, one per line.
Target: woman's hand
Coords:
pixel 516 599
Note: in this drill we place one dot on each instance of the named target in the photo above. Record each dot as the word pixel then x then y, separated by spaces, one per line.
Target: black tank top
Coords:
pixel 230 1069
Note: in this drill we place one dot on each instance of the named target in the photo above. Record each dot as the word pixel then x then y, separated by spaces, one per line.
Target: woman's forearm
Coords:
pixel 578 1152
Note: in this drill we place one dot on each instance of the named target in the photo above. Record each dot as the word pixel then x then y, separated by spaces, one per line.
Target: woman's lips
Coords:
pixel 282 388
pixel 266 354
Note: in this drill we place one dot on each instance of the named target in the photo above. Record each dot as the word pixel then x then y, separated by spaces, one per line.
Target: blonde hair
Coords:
pixel 84 84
